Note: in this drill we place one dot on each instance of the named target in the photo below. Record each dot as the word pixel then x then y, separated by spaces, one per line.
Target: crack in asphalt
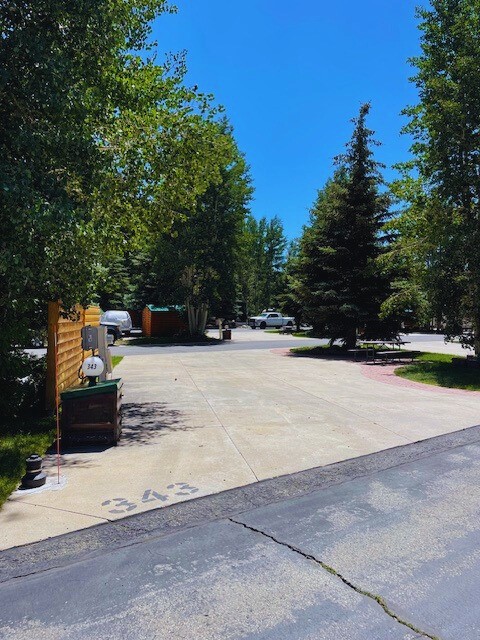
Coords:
pixel 376 598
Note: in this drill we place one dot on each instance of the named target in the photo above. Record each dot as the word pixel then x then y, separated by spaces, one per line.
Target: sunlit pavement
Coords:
pixel 383 547
pixel 200 420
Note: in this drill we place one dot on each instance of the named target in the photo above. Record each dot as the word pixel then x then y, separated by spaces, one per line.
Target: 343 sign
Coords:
pixel 93 366
pixel 124 505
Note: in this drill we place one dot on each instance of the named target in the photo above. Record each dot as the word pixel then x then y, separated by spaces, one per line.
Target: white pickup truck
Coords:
pixel 270 319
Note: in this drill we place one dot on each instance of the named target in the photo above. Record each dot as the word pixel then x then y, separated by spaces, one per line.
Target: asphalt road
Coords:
pixel 243 339
pixel 246 339
pixel 384 547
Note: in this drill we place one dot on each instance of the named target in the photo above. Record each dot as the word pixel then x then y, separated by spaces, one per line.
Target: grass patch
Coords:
pixel 15 447
pixel 272 331
pixel 116 360
pixel 434 357
pixel 305 334
pixel 437 369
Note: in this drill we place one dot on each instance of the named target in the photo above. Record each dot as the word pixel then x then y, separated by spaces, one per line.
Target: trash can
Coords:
pixel 93 414
pixel 227 334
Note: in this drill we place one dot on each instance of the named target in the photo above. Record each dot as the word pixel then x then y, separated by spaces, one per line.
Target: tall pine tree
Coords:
pixel 442 222
pixel 339 284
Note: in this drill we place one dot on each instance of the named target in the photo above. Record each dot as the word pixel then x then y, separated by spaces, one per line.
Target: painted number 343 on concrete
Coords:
pixel 123 505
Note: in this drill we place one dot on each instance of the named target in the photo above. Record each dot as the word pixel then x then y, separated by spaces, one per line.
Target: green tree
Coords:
pixel 195 263
pixel 442 221
pixel 289 302
pixel 339 284
pixel 99 146
pixel 406 256
pixel 261 261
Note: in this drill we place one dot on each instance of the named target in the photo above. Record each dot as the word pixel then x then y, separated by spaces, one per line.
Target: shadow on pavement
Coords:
pixel 141 424
pixel 324 354
pixel 144 422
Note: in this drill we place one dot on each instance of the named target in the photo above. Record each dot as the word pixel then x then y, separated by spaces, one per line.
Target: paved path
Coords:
pixel 245 339
pixel 379 548
pixel 199 422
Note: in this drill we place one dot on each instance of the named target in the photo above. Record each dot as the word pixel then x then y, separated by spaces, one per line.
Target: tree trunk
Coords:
pixel 203 318
pixel 197 318
pixel 351 338
pixel 476 336
pixel 191 319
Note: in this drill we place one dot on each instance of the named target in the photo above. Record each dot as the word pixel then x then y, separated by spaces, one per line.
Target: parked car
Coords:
pixel 117 317
pixel 270 319
pixel 114 331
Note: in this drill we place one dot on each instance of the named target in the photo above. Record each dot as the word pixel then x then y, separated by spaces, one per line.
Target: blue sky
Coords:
pixel 291 75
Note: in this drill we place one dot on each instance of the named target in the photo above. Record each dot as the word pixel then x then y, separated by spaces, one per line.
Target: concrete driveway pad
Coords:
pixel 202 420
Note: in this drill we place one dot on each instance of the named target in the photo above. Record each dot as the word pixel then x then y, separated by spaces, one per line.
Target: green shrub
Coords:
pixel 22 389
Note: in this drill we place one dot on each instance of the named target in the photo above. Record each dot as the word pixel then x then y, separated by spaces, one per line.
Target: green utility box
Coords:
pixel 92 414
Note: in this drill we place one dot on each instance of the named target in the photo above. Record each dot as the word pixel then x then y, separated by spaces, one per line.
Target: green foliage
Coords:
pixel 405 257
pixel 260 263
pixel 441 225
pixel 428 356
pixel 100 147
pixel 114 283
pixel 337 279
pixel 195 262
pixel 15 448
pixel 22 384
pixel 23 429
pixel 437 369
pixel 289 301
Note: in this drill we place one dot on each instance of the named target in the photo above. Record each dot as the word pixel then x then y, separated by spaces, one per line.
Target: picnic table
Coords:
pixel 383 343
pixel 367 347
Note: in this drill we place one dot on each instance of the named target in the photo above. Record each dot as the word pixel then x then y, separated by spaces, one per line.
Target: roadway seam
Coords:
pixel 376 598
pixel 219 421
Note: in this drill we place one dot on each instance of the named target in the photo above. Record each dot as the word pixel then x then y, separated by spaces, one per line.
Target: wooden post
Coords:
pixel 51 391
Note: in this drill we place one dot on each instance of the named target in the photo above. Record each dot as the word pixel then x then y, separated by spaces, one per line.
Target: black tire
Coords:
pixel 289 324
pixel 263 325
pixel 253 326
